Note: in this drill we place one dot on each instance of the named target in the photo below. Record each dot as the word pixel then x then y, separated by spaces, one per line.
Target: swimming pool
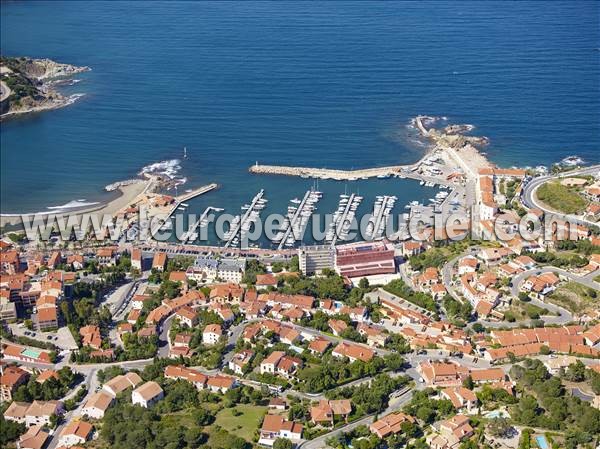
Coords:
pixel 542 442
pixel 32 353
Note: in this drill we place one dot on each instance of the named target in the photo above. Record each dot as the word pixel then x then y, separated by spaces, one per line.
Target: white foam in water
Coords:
pixel 168 168
pixel 572 161
pixel 73 204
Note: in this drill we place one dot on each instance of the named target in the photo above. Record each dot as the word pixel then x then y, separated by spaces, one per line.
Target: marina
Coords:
pixel 191 235
pixel 342 218
pixel 181 205
pixel 381 211
pixel 297 218
pixel 240 226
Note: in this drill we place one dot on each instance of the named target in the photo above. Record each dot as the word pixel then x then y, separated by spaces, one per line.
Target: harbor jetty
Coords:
pixel 457 151
pixel 326 173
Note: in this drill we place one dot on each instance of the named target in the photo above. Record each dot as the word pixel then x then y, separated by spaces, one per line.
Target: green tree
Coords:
pixel 282 443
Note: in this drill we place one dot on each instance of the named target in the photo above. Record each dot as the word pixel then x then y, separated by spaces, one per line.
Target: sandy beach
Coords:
pixel 128 194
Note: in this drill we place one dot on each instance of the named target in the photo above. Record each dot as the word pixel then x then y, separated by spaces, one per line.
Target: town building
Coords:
pixel 10 379
pixel 314 259
pixel 365 259
pixel 97 404
pixel 147 394
pixel 275 426
pixel 211 334
pixel 75 433
pixel 121 383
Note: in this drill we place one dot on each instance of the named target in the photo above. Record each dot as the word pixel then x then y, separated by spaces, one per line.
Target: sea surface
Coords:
pixel 320 84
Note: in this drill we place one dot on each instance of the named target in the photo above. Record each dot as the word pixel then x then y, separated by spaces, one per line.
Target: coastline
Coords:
pixel 127 194
pixel 41 75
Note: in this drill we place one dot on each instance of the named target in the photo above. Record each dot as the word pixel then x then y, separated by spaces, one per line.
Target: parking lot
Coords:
pixel 62 338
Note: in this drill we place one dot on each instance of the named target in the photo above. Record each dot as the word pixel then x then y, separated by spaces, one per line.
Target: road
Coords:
pixel 91 383
pixel 163 337
pixel 528 196
pixel 564 316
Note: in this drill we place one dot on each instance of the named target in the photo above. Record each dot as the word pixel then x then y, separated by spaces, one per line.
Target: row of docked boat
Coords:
pixel 240 225
pixel 381 211
pixel 296 218
pixel 342 217
pixel 191 234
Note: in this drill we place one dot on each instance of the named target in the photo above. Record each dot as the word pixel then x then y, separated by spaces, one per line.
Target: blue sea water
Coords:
pixel 310 83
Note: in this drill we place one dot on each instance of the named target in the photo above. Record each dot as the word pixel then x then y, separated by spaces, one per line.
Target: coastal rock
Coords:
pixel 28 85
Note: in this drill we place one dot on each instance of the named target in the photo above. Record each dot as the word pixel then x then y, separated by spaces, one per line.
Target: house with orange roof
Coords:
pixel 20 353
pixel 158 315
pixel 196 378
pixel 75 432
pixel 45 375
pixel 147 394
pixel 390 424
pixel 107 256
pixel 337 326
pixel 211 334
pixel 278 363
pixel 159 261
pixel 47 318
pixel 353 351
pixel 221 383
pixel 226 293
pixel 133 316
pixel 442 374
pixel 187 316
pixel 462 398
pixel 493 256
pixel 286 301
pixel 592 335
pixel 10 263
pixel 489 375
pixel 467 264
pixel 266 280
pixel 240 360
pixel 412 248
pixel 10 379
pixel 178 276
pixel 375 335
pixel 318 346
pixel 35 438
pixel 325 412
pixel 90 336
pixel 137 261
pixel 452 432
pixel 541 285
pixel 76 261
pixel 275 426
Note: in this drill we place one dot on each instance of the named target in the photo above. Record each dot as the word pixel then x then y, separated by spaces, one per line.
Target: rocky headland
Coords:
pixel 29 85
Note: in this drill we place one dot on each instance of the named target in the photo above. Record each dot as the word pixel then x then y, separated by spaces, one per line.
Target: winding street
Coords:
pixel 563 316
pixel 528 196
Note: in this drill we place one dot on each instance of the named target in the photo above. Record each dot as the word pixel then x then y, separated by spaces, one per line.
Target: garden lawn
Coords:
pixel 243 425
pixel 561 198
